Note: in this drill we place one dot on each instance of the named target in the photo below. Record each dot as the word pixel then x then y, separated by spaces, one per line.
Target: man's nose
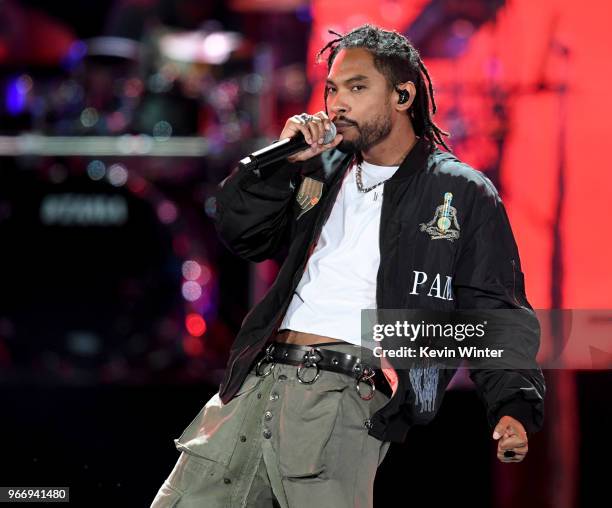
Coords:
pixel 339 109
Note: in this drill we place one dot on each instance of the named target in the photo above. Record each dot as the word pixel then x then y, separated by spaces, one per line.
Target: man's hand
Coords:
pixel 313 131
pixel 513 439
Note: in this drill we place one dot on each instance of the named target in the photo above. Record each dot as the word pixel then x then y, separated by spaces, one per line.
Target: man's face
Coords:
pixel 358 100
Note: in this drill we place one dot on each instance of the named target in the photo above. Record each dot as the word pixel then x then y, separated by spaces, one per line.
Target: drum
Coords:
pixel 94 266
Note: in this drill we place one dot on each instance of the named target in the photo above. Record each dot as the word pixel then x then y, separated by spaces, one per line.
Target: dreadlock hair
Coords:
pixel 399 61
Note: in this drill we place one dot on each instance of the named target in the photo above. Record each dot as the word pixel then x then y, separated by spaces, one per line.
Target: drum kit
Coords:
pixel 96 205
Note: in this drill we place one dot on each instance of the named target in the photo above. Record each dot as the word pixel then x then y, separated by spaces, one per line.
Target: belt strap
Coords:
pixel 325 359
pixel 311 357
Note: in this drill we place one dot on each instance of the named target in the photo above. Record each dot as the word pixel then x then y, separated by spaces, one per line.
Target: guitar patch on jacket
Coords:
pixel 308 194
pixel 445 216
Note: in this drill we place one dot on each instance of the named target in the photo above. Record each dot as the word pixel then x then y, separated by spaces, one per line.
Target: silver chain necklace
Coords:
pixel 360 186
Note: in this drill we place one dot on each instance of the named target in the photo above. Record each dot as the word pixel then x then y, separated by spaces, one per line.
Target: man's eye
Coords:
pixel 358 87
pixel 330 89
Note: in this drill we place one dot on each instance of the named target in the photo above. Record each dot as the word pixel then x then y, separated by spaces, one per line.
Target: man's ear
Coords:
pixel 404 95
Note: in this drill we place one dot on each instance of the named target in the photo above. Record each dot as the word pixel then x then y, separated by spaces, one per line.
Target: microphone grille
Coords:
pixel 330 134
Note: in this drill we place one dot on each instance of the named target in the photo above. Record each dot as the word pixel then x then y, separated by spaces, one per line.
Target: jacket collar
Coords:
pixel 415 161
pixel 334 162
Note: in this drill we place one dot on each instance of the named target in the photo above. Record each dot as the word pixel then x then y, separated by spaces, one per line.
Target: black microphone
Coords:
pixel 281 150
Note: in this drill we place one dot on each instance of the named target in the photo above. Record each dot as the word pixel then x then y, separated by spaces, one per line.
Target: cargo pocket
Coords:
pixel 186 477
pixel 212 433
pixel 308 416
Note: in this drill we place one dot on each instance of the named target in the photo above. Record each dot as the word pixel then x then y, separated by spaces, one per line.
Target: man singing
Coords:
pixel 380 218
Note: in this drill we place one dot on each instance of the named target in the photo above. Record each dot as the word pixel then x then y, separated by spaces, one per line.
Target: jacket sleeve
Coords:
pixel 253 210
pixel 488 277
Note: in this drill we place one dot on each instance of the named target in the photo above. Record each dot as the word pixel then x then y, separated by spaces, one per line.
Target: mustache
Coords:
pixel 344 121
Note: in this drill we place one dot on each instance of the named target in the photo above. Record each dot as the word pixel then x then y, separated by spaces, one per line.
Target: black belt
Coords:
pixel 310 360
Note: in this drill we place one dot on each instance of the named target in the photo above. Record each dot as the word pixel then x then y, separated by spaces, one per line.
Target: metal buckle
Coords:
pixel 267 359
pixel 365 375
pixel 311 359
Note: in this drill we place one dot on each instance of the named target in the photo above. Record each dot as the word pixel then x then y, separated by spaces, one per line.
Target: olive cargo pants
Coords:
pixel 279 442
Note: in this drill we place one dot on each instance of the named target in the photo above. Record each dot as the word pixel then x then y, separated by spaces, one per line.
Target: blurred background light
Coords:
pixel 162 131
pixel 195 324
pixel 117 175
pixel 167 212
pixel 191 270
pixel 191 290
pixel 96 170
pixel 89 117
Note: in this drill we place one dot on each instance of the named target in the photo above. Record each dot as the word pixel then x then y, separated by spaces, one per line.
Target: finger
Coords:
pixel 297 119
pixel 515 431
pixel 506 427
pixel 318 129
pixel 520 450
pixel 325 118
pixel 511 431
pixel 512 442
pixel 291 128
pixel 514 439
pixel 317 149
pixel 499 430
pixel 310 134
pixel 305 130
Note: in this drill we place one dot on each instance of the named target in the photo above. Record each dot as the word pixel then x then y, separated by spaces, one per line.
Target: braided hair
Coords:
pixel 399 61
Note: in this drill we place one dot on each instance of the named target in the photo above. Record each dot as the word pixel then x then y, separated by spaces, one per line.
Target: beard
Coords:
pixel 369 134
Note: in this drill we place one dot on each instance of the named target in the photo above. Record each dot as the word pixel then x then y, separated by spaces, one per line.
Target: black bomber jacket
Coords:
pixel 257 215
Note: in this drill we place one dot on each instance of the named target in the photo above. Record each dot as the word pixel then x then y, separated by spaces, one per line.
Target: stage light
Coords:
pixel 195 325
pixel 191 290
pixel 15 96
pixel 96 170
pixel 89 117
pixel 117 175
pixel 191 270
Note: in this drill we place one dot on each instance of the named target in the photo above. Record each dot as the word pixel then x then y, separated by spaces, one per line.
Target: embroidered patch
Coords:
pixel 445 216
pixel 308 194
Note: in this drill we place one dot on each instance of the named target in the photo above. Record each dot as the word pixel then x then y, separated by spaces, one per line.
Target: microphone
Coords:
pixel 281 150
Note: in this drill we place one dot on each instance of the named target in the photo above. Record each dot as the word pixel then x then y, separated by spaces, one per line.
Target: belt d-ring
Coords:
pixel 311 358
pixel 267 359
pixel 365 375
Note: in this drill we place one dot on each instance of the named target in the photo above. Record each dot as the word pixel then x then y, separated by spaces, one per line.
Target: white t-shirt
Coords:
pixel 340 277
